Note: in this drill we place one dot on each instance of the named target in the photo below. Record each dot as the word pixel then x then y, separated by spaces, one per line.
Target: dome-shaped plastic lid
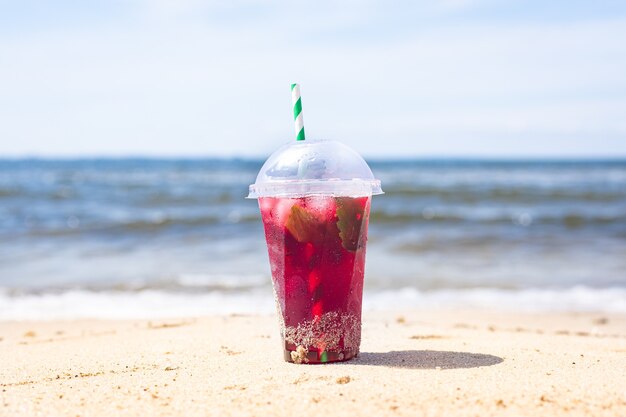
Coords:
pixel 313 167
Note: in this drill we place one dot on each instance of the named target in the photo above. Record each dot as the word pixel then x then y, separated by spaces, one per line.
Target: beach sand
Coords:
pixel 413 363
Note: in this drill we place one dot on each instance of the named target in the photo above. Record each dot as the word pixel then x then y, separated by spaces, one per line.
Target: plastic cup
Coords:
pixel 315 200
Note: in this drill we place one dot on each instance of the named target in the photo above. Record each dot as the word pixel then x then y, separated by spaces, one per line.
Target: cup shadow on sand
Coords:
pixel 426 359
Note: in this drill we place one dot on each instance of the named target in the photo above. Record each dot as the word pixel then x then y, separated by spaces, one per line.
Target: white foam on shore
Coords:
pixel 148 304
pixel 578 298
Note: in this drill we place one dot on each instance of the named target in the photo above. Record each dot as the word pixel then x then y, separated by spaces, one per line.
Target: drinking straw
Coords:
pixel 297 111
pixel 314 278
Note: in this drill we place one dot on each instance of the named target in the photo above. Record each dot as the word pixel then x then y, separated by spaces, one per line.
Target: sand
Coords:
pixel 417 363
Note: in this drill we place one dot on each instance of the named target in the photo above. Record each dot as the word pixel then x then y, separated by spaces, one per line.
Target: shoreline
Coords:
pixel 154 303
pixel 412 362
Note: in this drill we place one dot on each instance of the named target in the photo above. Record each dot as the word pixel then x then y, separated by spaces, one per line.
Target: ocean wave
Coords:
pixel 479 193
pixel 191 198
pixel 182 284
pixel 523 218
pixel 74 226
pixel 74 304
pixel 159 196
pixel 573 299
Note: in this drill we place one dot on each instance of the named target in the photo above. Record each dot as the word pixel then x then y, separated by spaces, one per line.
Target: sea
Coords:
pixel 144 238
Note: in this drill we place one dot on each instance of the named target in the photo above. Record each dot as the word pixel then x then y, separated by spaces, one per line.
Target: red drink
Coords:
pixel 316 247
pixel 316 230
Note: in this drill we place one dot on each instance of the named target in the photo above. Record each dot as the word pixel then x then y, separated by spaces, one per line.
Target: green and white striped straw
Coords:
pixel 297 111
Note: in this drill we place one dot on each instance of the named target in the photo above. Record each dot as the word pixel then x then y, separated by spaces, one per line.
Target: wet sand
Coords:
pixel 412 363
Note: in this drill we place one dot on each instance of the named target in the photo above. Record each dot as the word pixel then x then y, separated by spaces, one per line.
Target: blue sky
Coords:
pixel 461 78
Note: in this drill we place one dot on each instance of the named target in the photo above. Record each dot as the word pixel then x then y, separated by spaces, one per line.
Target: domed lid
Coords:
pixel 311 167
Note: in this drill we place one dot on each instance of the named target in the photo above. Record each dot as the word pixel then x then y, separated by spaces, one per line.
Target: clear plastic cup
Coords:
pixel 315 200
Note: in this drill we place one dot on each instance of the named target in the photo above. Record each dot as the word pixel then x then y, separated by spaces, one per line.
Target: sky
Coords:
pixel 436 78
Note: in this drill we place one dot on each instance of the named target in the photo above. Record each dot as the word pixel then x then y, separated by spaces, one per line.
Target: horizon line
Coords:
pixel 255 158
